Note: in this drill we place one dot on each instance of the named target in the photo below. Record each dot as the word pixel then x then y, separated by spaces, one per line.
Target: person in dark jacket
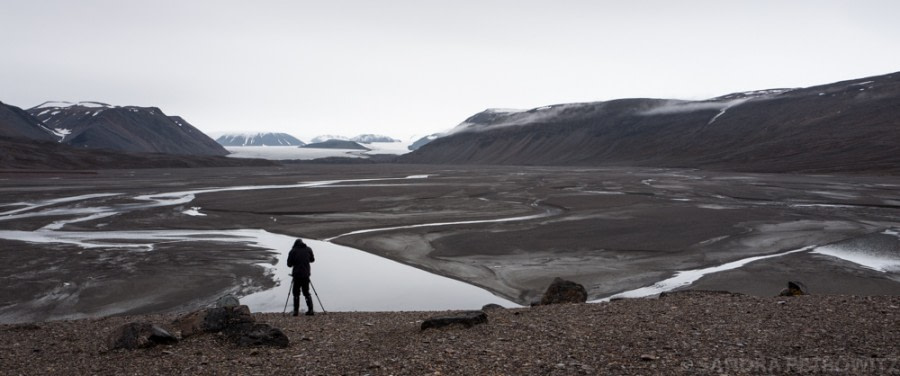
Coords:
pixel 299 258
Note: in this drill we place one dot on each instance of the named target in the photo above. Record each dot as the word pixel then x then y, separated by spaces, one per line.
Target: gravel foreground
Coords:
pixel 681 333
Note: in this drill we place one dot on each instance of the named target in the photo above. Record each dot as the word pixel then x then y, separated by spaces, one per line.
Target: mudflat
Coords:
pixel 510 230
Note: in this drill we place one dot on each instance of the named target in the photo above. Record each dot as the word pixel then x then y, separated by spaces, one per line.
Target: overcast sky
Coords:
pixel 404 68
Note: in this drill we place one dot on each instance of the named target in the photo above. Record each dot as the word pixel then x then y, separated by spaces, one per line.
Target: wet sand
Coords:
pixel 611 229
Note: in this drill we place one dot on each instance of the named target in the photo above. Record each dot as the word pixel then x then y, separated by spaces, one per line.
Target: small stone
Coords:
pixel 795 288
pixel 561 365
pixel 649 357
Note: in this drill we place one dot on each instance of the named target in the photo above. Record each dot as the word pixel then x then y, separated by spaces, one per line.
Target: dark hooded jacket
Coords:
pixel 299 258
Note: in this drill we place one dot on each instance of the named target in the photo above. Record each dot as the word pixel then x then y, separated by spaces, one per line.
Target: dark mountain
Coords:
pixel 846 126
pixel 31 155
pixel 370 138
pixel 258 139
pixel 19 124
pixel 133 129
pixel 336 144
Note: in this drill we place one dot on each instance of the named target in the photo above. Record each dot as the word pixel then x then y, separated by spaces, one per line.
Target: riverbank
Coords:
pixel 682 333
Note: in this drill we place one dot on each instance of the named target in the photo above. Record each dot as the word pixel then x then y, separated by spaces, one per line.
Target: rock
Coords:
pixel 228 301
pixel 466 319
pixel 250 334
pixel 488 307
pixel 235 322
pixel 562 291
pixel 795 288
pixel 212 320
pixel 139 335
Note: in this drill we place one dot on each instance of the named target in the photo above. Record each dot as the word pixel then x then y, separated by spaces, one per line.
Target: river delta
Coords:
pixel 93 243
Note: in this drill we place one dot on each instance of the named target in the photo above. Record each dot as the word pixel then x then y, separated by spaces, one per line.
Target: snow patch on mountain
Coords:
pixel 258 139
pixel 505 110
pixel 65 104
pixel 61 133
pixel 675 107
pixel 327 137
pixel 370 138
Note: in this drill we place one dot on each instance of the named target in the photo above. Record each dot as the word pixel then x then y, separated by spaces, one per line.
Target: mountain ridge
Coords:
pixel 850 125
pixel 124 128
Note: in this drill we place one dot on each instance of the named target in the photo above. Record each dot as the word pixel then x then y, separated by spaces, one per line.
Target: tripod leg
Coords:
pixel 291 288
pixel 317 296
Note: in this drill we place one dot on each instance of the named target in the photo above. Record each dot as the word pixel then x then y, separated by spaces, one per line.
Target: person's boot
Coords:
pixel 296 305
pixel 309 307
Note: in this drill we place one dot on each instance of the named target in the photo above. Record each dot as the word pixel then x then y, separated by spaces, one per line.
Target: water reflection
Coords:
pixel 347 279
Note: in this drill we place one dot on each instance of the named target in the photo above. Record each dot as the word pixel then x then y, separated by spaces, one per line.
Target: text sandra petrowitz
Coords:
pixel 836 364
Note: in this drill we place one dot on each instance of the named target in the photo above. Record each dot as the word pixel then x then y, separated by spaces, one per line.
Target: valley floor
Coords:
pixel 614 230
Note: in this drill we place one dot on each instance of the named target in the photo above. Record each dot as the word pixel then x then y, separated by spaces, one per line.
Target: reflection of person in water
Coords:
pixel 298 259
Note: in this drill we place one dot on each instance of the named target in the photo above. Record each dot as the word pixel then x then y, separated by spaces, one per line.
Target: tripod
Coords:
pixel 291 289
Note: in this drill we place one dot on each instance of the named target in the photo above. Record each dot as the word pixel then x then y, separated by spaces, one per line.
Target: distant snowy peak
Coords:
pixel 370 138
pixel 258 139
pixel 327 137
pixel 362 139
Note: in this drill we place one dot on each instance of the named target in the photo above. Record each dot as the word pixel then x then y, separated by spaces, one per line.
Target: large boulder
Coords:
pixel 212 320
pixel 139 335
pixel 466 319
pixel 236 322
pixel 795 288
pixel 562 291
